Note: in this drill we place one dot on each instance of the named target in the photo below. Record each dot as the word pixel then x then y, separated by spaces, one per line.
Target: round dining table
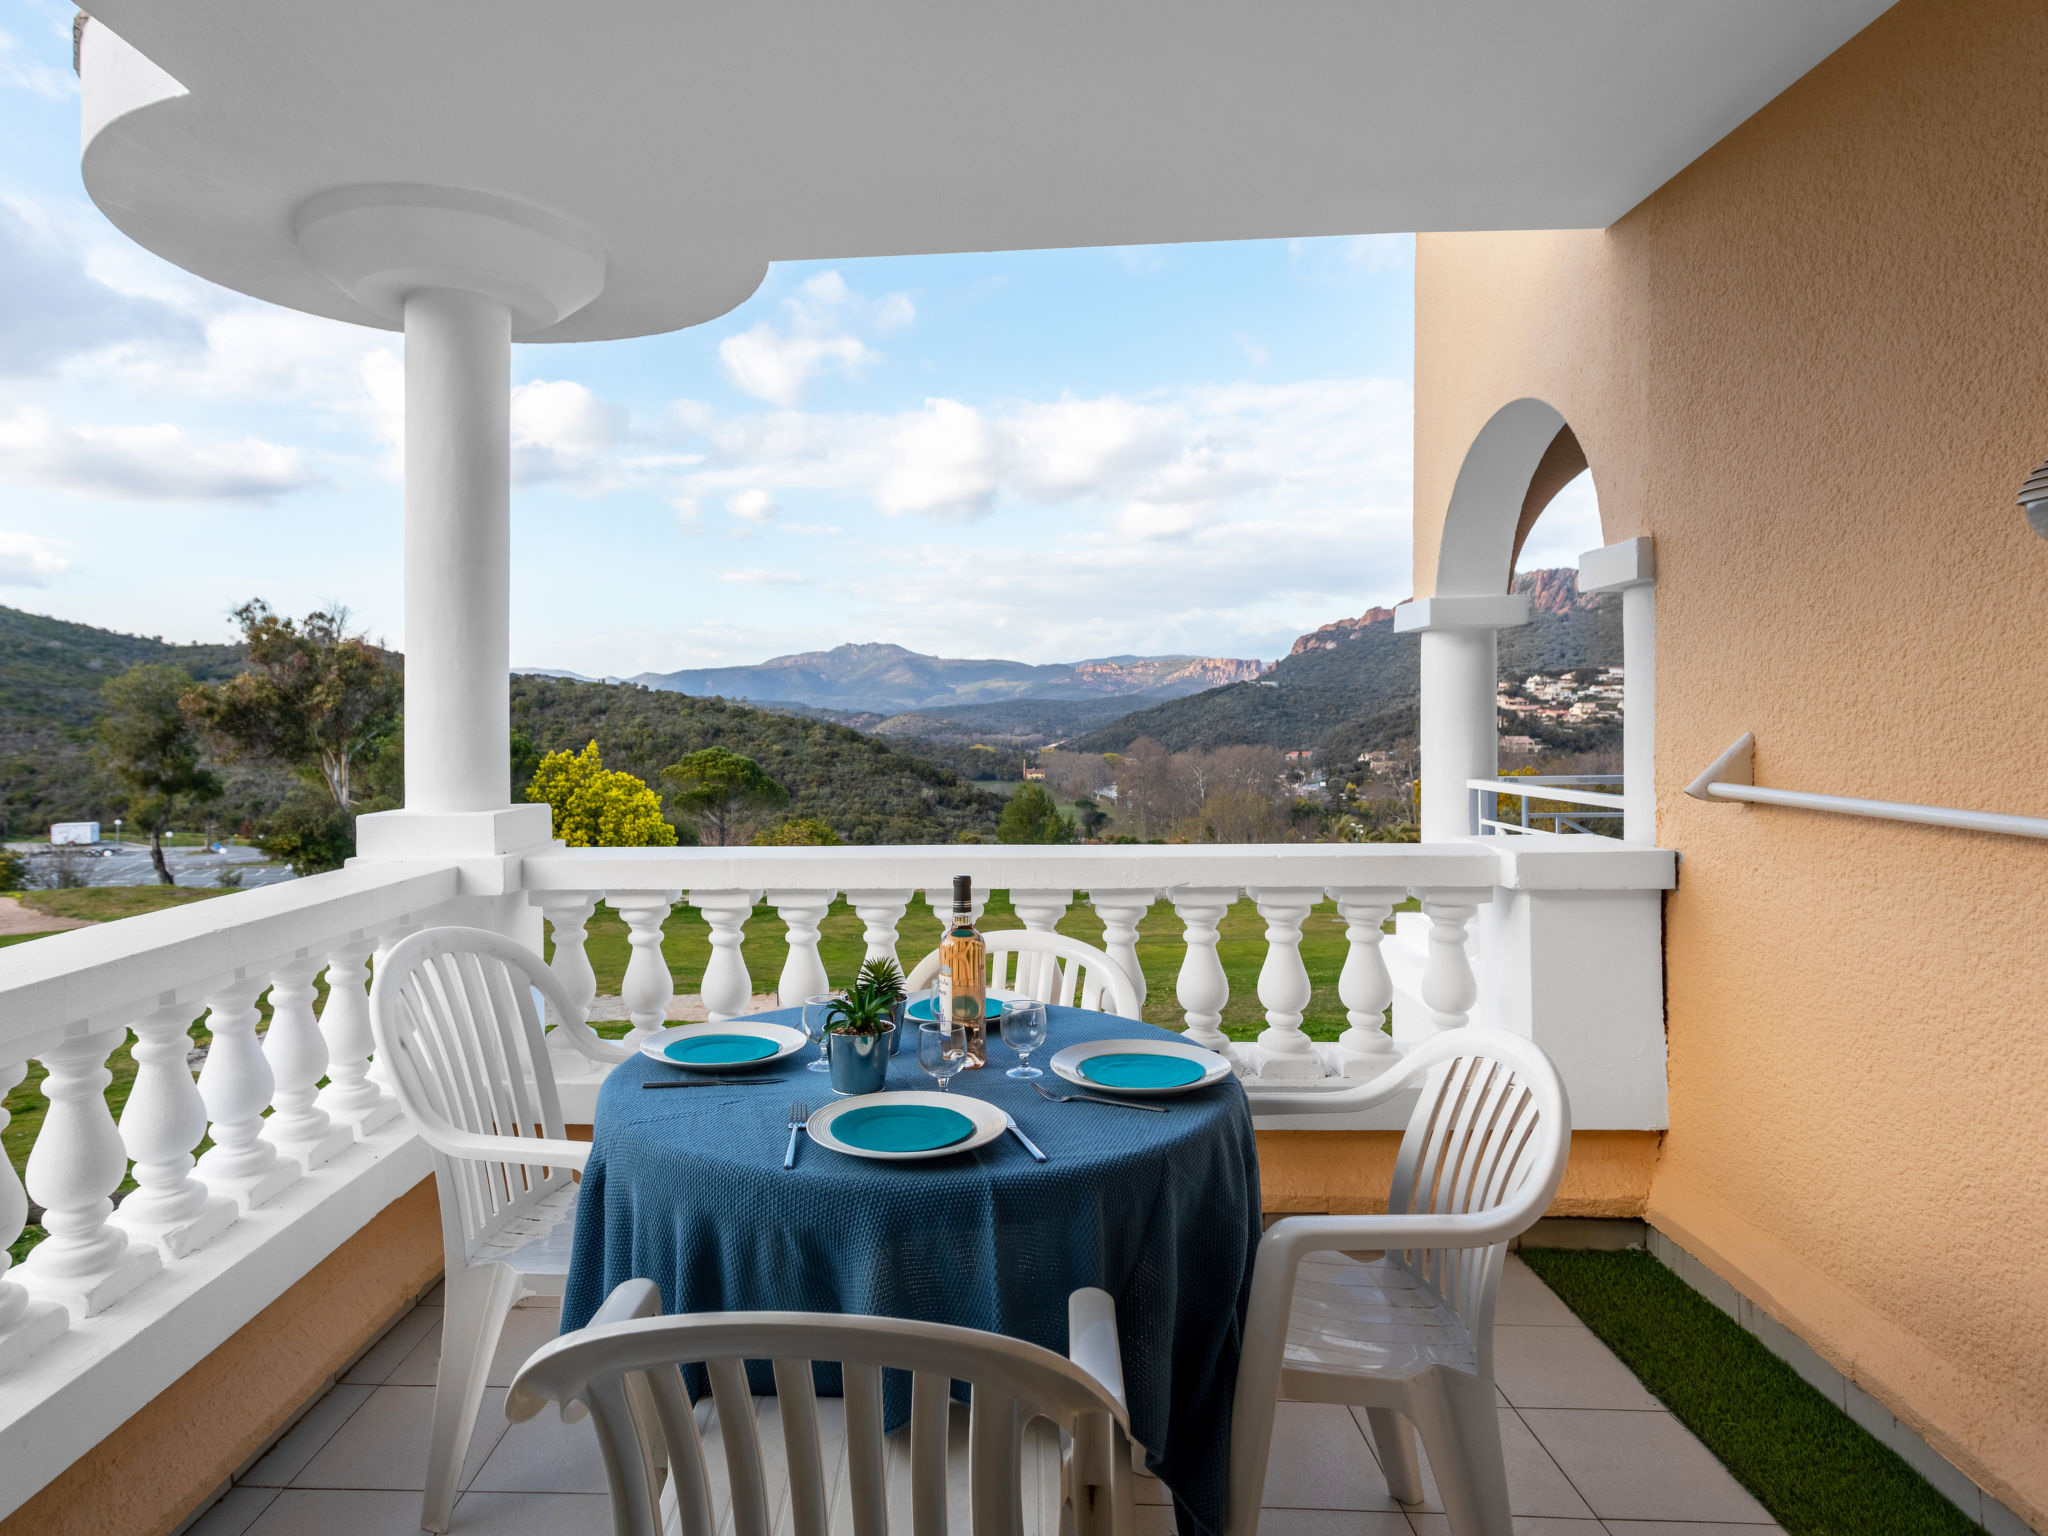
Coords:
pixel 687 1188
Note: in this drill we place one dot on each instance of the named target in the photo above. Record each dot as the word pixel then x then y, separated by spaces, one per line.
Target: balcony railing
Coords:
pixel 295 1168
pixel 1564 800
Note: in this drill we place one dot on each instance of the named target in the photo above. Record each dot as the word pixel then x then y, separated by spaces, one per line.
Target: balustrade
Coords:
pixel 161 1124
pixel 297 1052
pixel 1202 988
pixel 27 1323
pixel 803 972
pixel 1121 912
pixel 236 1084
pixel 1449 989
pixel 352 1097
pixel 727 988
pixel 648 987
pixel 1284 1051
pixel 1365 987
pixel 881 911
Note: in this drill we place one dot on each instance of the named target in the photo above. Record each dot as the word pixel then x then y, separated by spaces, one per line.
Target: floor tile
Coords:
pixel 420 1364
pixel 382 1357
pixel 233 1514
pixel 339 1512
pixel 1155 1520
pixel 1526 1302
pixel 1539 1367
pixel 1423 1524
pixel 526 1329
pixel 1687 1528
pixel 1319 1460
pixel 1641 1466
pixel 1535 1485
pixel 437 1297
pixel 302 1442
pixel 1151 1491
pixel 1332 1522
pixel 533 1514
pixel 384 1444
pixel 544 1455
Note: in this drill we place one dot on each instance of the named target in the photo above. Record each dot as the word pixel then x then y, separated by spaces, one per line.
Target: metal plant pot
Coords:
pixel 860 1063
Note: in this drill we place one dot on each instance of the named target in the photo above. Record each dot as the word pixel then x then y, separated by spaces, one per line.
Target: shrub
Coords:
pixel 597 807
pixel 798 832
pixel 1033 816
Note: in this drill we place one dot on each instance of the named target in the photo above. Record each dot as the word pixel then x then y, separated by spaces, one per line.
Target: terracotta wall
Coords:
pixel 1815 367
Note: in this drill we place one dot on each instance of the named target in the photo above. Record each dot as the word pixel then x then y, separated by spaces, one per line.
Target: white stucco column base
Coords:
pixel 1630 568
pixel 1460 737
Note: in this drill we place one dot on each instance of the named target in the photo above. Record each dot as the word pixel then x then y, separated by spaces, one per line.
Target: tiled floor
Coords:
pixel 1589 1452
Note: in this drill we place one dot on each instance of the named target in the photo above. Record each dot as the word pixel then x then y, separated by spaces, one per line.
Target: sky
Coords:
pixel 1048 456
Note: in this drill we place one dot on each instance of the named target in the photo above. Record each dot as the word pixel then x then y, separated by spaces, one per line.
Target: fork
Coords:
pixel 1089 1098
pixel 799 1116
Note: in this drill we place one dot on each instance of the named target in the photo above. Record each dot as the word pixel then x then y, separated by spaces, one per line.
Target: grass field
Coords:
pixel 1817 1470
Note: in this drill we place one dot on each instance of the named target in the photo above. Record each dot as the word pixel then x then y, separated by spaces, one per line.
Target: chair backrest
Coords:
pixel 1089 973
pixel 454 1016
pixel 1489 1137
pixel 623 1368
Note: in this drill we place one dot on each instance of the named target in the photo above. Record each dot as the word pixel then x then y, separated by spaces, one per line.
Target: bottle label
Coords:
pixel 942 1005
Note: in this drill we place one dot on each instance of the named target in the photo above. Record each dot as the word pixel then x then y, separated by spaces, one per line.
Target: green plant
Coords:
pixel 724 792
pixel 309 832
pixel 869 1005
pixel 597 807
pixel 13 871
pixel 798 832
pixel 154 751
pixel 1033 816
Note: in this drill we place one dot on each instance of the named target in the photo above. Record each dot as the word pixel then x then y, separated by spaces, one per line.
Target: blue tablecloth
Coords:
pixel 687 1188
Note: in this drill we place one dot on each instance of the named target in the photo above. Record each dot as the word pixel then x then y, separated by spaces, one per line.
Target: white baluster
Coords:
pixel 297 1052
pixel 1201 987
pixel 728 989
pixel 1041 912
pixel 352 1097
pixel 1365 1049
pixel 568 913
pixel 648 988
pixel 162 1122
pixel 1284 1051
pixel 27 1323
pixel 803 973
pixel 78 1161
pixel 882 911
pixel 236 1084
pixel 1121 912
pixel 1449 989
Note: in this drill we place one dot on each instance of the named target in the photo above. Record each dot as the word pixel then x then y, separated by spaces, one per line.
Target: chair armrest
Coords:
pixel 1092 1342
pixel 525 1151
pixel 590 1044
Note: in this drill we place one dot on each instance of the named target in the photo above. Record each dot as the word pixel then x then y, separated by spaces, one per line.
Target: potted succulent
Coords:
pixel 860 1028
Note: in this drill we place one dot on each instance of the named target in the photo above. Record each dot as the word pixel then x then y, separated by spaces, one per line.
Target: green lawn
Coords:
pixel 1814 1468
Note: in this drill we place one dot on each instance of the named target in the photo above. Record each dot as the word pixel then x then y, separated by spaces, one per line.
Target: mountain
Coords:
pixel 1358 675
pixel 892 680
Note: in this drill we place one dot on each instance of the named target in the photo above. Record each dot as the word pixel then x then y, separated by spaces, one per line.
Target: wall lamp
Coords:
pixel 2034 498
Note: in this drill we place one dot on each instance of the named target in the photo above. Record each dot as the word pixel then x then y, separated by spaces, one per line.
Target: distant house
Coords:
pixel 1032 774
pixel 1525 746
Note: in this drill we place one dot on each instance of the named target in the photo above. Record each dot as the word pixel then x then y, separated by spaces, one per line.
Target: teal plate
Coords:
pixel 718 1050
pixel 901 1128
pixel 921 1010
pixel 1140 1069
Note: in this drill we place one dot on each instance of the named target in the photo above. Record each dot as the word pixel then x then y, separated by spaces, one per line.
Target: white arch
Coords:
pixel 1476 549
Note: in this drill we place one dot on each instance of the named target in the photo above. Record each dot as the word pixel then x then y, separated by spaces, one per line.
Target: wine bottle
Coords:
pixel 963 973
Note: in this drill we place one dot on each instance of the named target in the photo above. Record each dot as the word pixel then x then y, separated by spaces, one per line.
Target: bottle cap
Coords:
pixel 963 891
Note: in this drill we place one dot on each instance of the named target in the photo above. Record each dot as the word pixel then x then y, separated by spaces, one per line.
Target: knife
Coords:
pixel 1018 1132
pixel 713 1082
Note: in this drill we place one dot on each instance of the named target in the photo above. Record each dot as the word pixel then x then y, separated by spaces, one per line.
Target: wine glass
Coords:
pixel 942 1051
pixel 815 1020
pixel 1024 1032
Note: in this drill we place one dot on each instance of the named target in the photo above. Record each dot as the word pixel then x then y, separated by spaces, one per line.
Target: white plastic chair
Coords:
pixel 623 1369
pixel 456 1025
pixel 1394 1313
pixel 1039 973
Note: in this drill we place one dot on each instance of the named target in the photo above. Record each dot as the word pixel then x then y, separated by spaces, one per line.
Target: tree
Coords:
pixel 726 794
pixel 309 832
pixel 149 743
pixel 1093 817
pixel 596 807
pixel 797 832
pixel 13 871
pixel 1033 816
pixel 314 698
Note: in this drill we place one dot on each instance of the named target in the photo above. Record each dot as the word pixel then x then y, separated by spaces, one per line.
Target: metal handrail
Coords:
pixel 1527 786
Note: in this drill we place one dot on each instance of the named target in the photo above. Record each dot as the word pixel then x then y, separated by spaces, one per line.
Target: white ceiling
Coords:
pixel 698 141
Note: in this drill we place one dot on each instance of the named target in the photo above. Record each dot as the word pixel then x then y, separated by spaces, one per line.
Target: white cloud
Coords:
pixel 777 363
pixel 53 308
pixel 1380 253
pixel 944 459
pixel 753 576
pixel 39 77
pixel 1567 528
pixel 563 432
pixel 27 561
pixel 751 506
pixel 146 463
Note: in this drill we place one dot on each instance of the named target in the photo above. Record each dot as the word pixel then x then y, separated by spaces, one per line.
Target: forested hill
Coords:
pixel 862 788
pixel 1365 678
pixel 50 677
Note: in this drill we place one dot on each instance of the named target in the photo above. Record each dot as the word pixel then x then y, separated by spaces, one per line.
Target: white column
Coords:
pixel 1121 912
pixel 162 1122
pixel 297 1052
pixel 803 973
pixel 1460 734
pixel 728 989
pixel 1366 1050
pixel 1630 568
pixel 1201 987
pixel 351 1097
pixel 882 912
pixel 26 1324
pixel 458 401
pixel 236 1083
pixel 1284 1051
pixel 648 987
pixel 78 1161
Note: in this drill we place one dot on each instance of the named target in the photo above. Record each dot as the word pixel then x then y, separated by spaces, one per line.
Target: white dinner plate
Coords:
pixel 989 1122
pixel 787 1043
pixel 1066 1064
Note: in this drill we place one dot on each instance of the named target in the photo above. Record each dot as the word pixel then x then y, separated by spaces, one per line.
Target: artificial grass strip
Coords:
pixel 1817 1470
